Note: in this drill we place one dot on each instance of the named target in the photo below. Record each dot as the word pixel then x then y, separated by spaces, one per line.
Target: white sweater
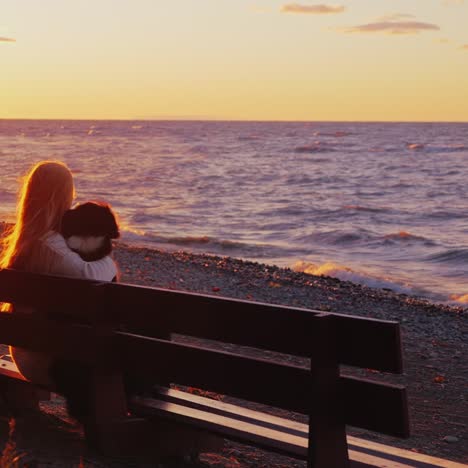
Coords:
pixel 33 365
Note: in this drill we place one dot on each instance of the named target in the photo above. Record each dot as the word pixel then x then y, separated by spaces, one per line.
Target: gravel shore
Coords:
pixel 434 336
pixel 434 340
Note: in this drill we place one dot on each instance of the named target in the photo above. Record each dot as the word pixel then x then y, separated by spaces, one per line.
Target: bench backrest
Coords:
pixel 327 339
pixel 361 342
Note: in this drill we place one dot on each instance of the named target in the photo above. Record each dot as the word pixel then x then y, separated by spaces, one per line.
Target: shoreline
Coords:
pixel 423 285
pixel 338 270
pixel 232 265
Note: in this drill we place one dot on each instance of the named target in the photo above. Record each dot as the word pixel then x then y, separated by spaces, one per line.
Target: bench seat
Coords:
pixel 273 433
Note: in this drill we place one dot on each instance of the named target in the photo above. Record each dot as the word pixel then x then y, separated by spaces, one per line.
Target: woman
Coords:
pixel 36 245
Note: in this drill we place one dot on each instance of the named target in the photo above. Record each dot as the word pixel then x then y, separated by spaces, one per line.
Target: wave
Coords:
pixel 337 134
pixel 404 236
pixel 423 148
pixel 427 148
pixel 459 298
pixel 316 147
pixel 446 149
pixel 415 146
pixel 364 208
pixel 452 256
pixel 345 273
pixel 203 243
pixel 338 237
pixel 248 137
pixel 127 230
pixel 199 149
pixel 335 237
pixel 302 243
pixel 445 214
pixel 189 240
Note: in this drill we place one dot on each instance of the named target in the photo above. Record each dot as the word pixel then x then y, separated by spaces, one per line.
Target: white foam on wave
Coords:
pixel 345 273
pixel 415 146
pixel 459 298
pixel 129 232
pixel 403 236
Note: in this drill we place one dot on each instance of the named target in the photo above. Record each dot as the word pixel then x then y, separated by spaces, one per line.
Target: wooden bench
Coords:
pixel 282 357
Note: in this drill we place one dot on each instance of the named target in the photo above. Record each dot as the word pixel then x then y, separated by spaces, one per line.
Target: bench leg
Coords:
pixel 107 410
pixel 328 447
pixel 148 437
pixel 111 430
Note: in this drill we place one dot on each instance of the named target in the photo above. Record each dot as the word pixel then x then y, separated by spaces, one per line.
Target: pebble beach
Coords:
pixel 434 335
pixel 434 341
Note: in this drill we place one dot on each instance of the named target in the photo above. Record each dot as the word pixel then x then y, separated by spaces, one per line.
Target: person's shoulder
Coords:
pixel 55 241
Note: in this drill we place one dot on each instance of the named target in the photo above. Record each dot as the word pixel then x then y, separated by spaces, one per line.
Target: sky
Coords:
pixel 343 60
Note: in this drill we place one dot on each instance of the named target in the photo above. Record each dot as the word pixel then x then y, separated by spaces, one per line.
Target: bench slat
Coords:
pixel 226 409
pixel 229 427
pixel 65 340
pixel 237 412
pixel 367 405
pixel 363 342
pixel 413 459
pixel 49 292
pixel 270 383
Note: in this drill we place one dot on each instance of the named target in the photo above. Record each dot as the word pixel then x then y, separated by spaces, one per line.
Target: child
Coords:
pixel 89 229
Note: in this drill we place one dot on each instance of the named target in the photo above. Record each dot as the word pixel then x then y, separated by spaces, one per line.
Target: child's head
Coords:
pixel 46 193
pixel 90 219
pixel 89 228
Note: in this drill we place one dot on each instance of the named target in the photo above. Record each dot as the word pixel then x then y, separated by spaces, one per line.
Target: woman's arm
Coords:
pixel 69 263
pixel 103 270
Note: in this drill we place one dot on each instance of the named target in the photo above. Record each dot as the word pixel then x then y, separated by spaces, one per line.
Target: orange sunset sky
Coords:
pixel 235 59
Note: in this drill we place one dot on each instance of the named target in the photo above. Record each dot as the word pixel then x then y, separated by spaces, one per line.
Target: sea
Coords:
pixel 381 204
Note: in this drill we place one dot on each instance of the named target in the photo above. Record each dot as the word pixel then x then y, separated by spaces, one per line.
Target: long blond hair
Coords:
pixel 46 193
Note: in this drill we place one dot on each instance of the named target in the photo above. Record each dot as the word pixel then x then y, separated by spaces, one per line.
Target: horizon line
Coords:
pixel 175 119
